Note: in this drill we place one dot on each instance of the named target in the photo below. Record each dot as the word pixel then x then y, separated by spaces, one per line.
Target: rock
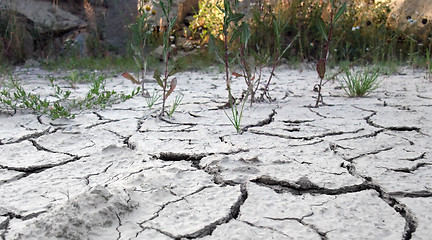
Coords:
pixel 45 15
pixel 118 17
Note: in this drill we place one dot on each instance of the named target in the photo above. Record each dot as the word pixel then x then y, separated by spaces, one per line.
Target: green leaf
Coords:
pixel 163 8
pixel 245 33
pixel 321 25
pixel 340 12
pixel 157 77
pixel 235 17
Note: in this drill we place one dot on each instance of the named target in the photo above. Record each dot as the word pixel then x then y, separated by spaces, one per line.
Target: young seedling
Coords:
pixel 321 65
pixel 175 105
pixel 151 100
pixel 162 80
pixel 236 115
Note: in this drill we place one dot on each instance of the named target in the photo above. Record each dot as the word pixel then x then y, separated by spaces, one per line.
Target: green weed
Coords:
pixel 162 80
pixel 236 114
pixel 152 99
pixel 14 97
pixel 177 101
pixel 360 83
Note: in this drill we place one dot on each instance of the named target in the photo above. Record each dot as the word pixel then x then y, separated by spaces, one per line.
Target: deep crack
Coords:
pixel 402 209
pixel 304 185
pixel 411 169
pixel 41 148
pixel 31 136
pixel 415 194
pixel 262 123
pixel 233 214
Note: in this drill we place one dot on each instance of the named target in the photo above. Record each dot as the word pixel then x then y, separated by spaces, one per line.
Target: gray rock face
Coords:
pixel 46 15
pixel 358 168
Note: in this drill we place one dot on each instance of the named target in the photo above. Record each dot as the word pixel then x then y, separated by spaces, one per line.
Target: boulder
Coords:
pixel 45 15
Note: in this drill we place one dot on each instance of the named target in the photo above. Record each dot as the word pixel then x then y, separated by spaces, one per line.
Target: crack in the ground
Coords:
pixel 317 113
pixel 175 157
pixel 421 156
pixel 31 136
pixel 262 123
pixel 370 122
pixel 304 185
pixel 162 207
pixel 265 227
pixel 370 135
pixel 411 169
pixel 195 159
pixel 42 148
pixel 233 214
pixel 13 179
pixel 176 123
pixel 119 225
pixel 415 194
pixel 87 178
pixel 305 138
pixel 39 168
pixel 128 144
pixel 367 154
pixel 296 122
pixel 100 117
pixel 102 123
pixel 11 215
pixel 323 235
pixel 300 188
pixel 208 229
pixel 402 209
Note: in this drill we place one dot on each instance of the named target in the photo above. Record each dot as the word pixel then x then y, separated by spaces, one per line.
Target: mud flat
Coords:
pixel 357 168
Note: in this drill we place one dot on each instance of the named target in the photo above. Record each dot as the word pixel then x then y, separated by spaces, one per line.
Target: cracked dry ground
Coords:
pixel 359 168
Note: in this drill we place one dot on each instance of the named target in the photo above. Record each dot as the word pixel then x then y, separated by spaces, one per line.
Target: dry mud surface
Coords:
pixel 359 168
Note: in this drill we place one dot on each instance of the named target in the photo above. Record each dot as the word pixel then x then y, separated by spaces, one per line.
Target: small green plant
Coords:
pixel 13 96
pixel 142 33
pixel 237 114
pixel 75 77
pixel 152 99
pixel 162 80
pixel 335 14
pixel 176 103
pixel 360 84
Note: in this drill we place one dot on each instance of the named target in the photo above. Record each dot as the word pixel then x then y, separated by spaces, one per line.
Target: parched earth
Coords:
pixel 357 168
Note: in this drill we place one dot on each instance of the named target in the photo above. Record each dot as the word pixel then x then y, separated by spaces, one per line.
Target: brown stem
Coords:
pixel 324 58
pixel 271 73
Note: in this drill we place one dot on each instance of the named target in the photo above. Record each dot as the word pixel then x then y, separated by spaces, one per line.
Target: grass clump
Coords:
pixel 360 83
